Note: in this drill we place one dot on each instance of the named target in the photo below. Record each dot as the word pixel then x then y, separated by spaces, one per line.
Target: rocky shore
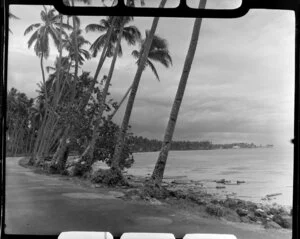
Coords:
pixel 192 196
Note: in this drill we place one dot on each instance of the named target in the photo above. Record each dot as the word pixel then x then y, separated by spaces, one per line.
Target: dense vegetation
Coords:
pixel 74 109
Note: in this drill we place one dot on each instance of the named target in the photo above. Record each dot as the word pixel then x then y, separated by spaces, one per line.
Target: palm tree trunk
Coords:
pixel 44 80
pixel 89 152
pixel 76 56
pixel 121 102
pixel 122 133
pixel 58 83
pixel 58 160
pixel 159 169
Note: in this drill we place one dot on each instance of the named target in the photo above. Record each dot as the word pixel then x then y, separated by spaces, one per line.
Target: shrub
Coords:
pixel 108 177
pixel 281 221
pixel 81 168
pixel 215 210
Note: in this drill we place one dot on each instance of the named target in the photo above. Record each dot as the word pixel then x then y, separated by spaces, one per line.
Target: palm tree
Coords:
pixel 115 166
pixel 131 34
pixel 104 54
pixel 70 46
pixel 158 171
pixel 158 52
pixel 49 27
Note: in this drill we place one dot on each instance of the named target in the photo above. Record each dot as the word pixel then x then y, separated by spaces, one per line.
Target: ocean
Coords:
pixel 264 170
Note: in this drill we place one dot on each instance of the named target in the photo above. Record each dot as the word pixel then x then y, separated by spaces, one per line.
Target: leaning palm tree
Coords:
pixel 131 34
pixel 115 166
pixel 49 27
pixel 158 52
pixel 159 169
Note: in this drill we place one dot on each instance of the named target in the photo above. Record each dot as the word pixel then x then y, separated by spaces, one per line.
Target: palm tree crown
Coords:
pixel 49 26
pixel 69 45
pixel 159 52
pixel 130 33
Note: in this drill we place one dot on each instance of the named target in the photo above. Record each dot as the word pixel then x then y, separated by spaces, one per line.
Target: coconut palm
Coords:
pixel 131 35
pixel 49 27
pixel 115 166
pixel 69 45
pixel 158 171
pixel 158 52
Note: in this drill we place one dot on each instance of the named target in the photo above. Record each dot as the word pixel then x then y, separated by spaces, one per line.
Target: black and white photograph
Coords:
pixel 150 124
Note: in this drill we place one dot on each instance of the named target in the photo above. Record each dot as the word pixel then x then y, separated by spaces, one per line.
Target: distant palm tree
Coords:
pixel 161 162
pixel 158 52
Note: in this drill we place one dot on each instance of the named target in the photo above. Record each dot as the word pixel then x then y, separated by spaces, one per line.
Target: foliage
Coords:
pixel 109 177
pixel 21 122
pixel 105 146
pixel 215 210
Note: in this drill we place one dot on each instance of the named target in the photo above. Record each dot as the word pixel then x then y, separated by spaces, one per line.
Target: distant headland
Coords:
pixel 142 144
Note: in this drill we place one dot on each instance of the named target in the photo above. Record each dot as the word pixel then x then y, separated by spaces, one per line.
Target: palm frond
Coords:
pixel 54 35
pixel 31 27
pixel 132 35
pixel 149 63
pixel 135 54
pixel 33 38
pixel 162 56
pixel 12 16
pixel 94 28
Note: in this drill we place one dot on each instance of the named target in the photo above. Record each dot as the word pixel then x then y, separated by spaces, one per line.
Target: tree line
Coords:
pixel 142 144
pixel 74 108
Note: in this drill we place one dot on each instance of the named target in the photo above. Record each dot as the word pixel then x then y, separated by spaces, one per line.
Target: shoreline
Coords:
pixel 194 198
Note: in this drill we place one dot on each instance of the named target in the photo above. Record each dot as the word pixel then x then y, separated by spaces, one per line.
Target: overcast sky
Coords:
pixel 240 88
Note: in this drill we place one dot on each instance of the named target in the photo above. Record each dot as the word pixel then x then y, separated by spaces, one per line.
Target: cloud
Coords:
pixel 240 87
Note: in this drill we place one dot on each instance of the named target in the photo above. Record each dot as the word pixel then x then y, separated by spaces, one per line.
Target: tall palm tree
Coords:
pixel 104 54
pixel 115 166
pixel 131 34
pixel 158 171
pixel 158 52
pixel 49 27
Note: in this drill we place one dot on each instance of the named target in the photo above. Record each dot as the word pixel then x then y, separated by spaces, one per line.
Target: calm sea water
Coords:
pixel 265 170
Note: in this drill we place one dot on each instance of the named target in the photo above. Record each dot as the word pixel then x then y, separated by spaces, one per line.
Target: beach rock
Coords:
pixel 197 199
pixel 181 181
pixel 242 212
pixel 271 225
pixel 239 182
pixel 220 187
pixel 220 181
